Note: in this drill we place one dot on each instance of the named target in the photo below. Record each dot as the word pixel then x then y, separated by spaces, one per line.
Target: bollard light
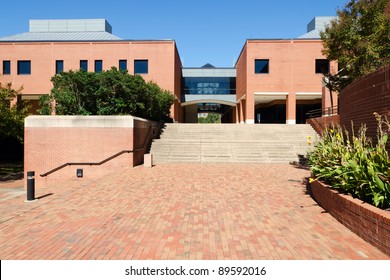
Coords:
pixel 30 185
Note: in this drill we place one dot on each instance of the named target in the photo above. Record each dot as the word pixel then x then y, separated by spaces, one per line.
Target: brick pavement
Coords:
pixel 177 211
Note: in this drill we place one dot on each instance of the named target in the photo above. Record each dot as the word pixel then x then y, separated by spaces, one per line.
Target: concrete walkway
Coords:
pixel 177 211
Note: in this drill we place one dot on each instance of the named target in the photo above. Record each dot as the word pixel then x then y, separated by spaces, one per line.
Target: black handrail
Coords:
pixel 109 158
pixel 90 163
pixel 319 112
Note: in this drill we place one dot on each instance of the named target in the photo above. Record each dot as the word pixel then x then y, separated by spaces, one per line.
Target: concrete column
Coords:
pixel 291 104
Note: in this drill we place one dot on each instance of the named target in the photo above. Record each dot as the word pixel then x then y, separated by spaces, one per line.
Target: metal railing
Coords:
pixel 329 111
pixel 146 147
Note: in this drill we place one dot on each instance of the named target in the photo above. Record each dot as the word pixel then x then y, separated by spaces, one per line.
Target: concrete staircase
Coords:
pixel 263 143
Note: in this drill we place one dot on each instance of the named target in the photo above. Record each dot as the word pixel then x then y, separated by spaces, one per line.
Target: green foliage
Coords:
pixel 111 92
pixel 211 118
pixel 359 39
pixel 354 166
pixel 11 117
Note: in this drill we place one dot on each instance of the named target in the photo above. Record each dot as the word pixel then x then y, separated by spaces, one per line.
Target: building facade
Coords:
pixel 274 81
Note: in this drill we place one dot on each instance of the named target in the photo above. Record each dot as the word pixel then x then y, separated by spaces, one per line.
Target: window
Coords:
pixel 322 66
pixel 59 66
pixel 209 85
pixel 6 67
pixel 98 66
pixel 24 67
pixel 84 65
pixel 141 67
pixel 261 66
pixel 123 64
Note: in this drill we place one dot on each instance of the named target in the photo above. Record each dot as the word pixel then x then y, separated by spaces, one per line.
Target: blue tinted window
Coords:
pixel 141 67
pixel 59 66
pixel 6 67
pixel 209 85
pixel 24 67
pixel 261 66
pixel 98 66
pixel 84 65
pixel 123 64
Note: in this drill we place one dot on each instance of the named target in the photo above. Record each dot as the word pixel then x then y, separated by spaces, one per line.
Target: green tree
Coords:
pixel 111 92
pixel 211 118
pixel 11 117
pixel 359 39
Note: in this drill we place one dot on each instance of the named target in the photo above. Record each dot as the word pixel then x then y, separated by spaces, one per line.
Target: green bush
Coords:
pixel 354 166
pixel 112 92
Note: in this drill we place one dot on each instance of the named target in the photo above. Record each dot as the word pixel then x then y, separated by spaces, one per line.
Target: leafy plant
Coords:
pixel 11 117
pixel 358 39
pixel 355 165
pixel 111 92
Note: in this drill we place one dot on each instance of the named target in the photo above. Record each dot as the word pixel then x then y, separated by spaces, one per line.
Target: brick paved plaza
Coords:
pixel 177 211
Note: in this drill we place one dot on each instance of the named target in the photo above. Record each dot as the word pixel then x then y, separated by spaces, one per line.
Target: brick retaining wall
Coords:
pixel 362 98
pixel 319 124
pixel 51 141
pixel 370 223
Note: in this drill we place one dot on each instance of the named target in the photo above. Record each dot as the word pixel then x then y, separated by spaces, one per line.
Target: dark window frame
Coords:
pixel 121 62
pixel 264 69
pixel 59 66
pixel 6 67
pixel 82 62
pixel 98 65
pixel 137 72
pixel 24 67
pixel 320 68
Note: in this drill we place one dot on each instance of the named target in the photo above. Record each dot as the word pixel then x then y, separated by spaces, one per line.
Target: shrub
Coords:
pixel 111 92
pixel 355 166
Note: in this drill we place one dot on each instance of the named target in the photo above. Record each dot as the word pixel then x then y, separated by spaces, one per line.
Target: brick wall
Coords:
pixel 362 98
pixel 51 141
pixel 370 223
pixel 319 124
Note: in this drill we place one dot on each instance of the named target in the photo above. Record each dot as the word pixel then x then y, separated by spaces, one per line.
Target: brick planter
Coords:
pixel 370 223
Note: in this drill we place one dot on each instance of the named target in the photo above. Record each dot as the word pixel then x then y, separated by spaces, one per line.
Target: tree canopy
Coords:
pixel 359 39
pixel 11 117
pixel 112 92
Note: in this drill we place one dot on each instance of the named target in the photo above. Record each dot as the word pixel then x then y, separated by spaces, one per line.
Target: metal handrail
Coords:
pixel 89 163
pixel 105 160
pixel 319 112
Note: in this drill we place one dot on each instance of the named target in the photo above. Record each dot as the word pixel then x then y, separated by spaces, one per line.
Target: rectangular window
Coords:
pixel 141 66
pixel 123 64
pixel 24 67
pixel 6 67
pixel 98 66
pixel 84 65
pixel 261 66
pixel 322 66
pixel 59 66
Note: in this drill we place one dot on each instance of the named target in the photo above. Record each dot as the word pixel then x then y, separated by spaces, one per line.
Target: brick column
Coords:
pixel 250 109
pixel 291 108
pixel 241 119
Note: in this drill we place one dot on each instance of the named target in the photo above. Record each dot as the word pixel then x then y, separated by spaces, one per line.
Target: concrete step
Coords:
pixel 231 143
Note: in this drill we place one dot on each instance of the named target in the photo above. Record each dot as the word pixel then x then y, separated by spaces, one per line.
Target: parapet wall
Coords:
pixel 51 141
pixel 370 223
pixel 362 98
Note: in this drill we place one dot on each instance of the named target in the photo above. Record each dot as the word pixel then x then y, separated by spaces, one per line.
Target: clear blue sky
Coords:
pixel 206 31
